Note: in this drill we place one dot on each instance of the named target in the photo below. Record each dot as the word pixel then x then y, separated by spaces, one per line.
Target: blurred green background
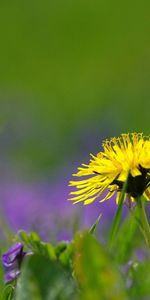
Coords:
pixel 71 73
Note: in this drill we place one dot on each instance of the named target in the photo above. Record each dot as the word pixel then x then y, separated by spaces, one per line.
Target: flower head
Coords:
pixel 11 262
pixel 127 156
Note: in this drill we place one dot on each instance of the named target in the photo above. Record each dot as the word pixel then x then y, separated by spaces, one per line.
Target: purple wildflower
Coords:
pixel 12 260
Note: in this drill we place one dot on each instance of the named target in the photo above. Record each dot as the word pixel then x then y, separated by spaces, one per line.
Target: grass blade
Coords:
pixel 93 227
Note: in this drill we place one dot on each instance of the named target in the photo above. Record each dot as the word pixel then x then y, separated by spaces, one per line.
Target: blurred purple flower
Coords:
pixel 42 206
pixel 11 261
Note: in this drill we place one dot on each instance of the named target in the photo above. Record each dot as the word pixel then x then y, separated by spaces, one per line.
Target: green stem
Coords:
pixel 117 218
pixel 144 221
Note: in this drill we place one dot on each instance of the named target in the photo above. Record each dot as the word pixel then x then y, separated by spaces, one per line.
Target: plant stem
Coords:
pixel 117 218
pixel 144 221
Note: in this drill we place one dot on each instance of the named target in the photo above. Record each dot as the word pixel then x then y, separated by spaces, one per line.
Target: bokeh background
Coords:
pixel 72 73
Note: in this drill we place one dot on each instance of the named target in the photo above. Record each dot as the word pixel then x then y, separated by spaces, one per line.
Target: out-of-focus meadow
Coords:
pixel 71 74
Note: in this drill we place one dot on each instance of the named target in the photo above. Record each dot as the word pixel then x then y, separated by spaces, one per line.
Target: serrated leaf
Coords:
pixel 33 241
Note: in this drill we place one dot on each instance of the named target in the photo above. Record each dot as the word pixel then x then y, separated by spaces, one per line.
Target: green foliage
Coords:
pixel 43 278
pixel 97 275
pixel 62 251
pixel 45 272
pixel 34 243
pixel 66 256
pixel 83 269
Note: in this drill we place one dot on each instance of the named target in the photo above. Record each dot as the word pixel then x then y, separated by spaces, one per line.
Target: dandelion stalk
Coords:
pixel 117 218
pixel 144 221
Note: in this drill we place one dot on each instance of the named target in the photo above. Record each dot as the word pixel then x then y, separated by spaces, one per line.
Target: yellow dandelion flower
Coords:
pixel 127 156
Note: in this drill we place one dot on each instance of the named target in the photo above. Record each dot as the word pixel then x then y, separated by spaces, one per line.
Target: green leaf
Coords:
pixel 33 241
pixel 60 248
pixel 24 237
pixel 44 279
pixel 34 237
pixel 95 271
pixel 93 227
pixel 66 256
